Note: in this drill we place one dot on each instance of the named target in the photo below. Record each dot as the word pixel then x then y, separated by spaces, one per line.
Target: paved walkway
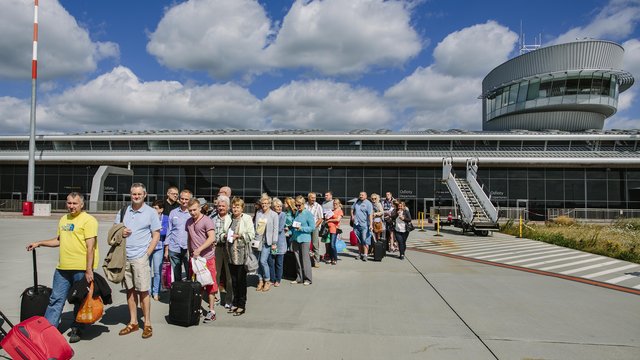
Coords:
pixel 425 307
pixel 530 254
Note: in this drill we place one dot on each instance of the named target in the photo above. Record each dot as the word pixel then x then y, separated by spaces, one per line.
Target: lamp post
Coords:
pixel 27 207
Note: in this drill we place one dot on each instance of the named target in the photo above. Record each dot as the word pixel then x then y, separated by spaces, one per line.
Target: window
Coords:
pixel 435 145
pixel 81 145
pixel 522 92
pixel 545 89
pixel 262 145
pixel 179 145
pixel 199 145
pixel 100 145
pixel 283 145
pixel 534 88
pixel 120 145
pixel 327 145
pixel 418 145
pixel 513 94
pixel 558 87
pixel 219 145
pixel 305 144
pixel 393 145
pixel 372 145
pixel 138 145
pixel 241 145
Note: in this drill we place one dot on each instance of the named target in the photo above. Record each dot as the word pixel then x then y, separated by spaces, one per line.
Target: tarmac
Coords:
pixel 427 306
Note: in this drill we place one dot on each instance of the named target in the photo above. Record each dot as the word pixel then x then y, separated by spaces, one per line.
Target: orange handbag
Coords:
pixel 91 309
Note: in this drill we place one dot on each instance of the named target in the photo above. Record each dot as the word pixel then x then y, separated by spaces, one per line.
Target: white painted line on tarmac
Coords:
pixel 515 252
pixel 558 260
pixel 589 267
pixel 539 257
pixel 605 272
pixel 637 287
pixel 621 279
pixel 504 249
pixel 525 255
pixel 489 249
pixel 571 264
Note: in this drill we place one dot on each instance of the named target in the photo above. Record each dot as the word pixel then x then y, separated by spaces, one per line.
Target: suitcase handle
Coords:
pixel 35 272
pixel 4 317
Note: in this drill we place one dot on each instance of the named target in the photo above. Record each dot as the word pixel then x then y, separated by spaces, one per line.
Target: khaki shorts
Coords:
pixel 137 274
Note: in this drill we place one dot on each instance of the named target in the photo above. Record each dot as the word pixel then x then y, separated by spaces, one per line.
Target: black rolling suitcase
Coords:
pixel 289 267
pixel 34 299
pixel 380 248
pixel 185 299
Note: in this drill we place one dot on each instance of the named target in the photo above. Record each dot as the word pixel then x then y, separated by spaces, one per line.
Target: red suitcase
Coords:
pixel 353 239
pixel 34 339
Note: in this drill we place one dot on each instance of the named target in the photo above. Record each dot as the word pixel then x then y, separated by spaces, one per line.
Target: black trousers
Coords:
pixel 401 237
pixel 239 282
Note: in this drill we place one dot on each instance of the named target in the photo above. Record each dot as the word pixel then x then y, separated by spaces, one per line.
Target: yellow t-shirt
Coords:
pixel 73 232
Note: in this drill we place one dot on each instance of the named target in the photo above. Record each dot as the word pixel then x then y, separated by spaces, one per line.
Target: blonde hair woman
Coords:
pixel 237 245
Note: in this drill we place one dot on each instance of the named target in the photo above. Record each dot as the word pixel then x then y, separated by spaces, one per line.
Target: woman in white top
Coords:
pixel 401 219
pixel 266 226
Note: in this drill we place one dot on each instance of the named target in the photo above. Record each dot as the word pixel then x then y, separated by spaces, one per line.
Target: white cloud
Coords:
pixel 345 37
pixel 631 60
pixel 615 21
pixel 474 50
pixel 622 122
pixel 119 100
pixel 327 105
pixel 221 37
pixel 226 37
pixel 64 48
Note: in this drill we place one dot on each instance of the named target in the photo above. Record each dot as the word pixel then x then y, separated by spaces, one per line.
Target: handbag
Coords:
pixel 250 261
pixel 377 227
pixel 256 244
pixel 410 226
pixel 166 275
pixel 324 230
pixel 201 271
pixel 91 309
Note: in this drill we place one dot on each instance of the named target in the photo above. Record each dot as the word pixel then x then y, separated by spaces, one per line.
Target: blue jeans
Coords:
pixel 333 254
pixel 155 260
pixel 263 267
pixel 275 266
pixel 62 282
pixel 178 259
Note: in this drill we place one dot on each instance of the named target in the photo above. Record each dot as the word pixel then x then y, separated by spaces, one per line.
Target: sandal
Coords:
pixel 129 329
pixel 239 311
pixel 147 332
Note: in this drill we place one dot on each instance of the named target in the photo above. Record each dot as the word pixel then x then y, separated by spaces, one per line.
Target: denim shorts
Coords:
pixel 363 234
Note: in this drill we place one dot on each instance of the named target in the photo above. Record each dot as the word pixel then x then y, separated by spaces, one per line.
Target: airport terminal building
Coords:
pixel 542 148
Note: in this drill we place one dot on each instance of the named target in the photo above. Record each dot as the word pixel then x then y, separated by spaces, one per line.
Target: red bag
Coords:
pixel 166 275
pixel 35 339
pixel 353 239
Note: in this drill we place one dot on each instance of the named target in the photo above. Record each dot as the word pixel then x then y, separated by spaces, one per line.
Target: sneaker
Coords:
pixel 227 306
pixel 74 335
pixel 211 316
pixel 364 258
pixel 401 257
pixel 306 283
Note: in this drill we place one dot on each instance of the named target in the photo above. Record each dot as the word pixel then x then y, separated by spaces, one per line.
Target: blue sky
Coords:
pixel 246 64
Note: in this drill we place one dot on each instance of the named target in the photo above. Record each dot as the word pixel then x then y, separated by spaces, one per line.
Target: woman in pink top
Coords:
pixel 334 224
pixel 201 239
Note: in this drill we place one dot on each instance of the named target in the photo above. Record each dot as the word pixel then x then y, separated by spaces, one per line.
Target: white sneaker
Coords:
pixel 211 316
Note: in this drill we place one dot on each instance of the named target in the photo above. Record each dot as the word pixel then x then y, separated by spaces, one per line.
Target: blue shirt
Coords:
pixel 164 221
pixel 307 225
pixel 177 232
pixel 142 223
pixel 362 209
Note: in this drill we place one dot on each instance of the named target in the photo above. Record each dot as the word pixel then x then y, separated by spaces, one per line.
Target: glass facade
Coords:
pixel 613 188
pixel 571 87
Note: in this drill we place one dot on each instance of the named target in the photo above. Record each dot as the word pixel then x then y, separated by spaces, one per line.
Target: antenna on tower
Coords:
pixel 524 48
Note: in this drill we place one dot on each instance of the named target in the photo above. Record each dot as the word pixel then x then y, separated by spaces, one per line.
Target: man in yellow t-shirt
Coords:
pixel 76 237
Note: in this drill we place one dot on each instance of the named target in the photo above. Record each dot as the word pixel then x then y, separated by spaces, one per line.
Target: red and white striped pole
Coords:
pixel 27 207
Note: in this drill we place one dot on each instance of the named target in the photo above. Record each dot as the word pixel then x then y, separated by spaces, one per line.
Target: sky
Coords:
pixel 334 65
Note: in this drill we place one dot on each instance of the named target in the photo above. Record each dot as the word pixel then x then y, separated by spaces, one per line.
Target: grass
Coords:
pixel 619 240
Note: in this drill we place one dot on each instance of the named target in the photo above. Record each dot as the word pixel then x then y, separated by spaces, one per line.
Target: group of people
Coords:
pixel 182 227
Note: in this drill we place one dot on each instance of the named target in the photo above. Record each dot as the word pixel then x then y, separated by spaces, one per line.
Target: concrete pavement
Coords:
pixel 426 306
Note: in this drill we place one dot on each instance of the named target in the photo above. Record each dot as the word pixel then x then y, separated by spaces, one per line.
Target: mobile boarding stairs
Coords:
pixel 476 212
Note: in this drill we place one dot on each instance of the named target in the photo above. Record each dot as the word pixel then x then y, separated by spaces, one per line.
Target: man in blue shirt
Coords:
pixel 142 231
pixel 176 240
pixel 362 216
